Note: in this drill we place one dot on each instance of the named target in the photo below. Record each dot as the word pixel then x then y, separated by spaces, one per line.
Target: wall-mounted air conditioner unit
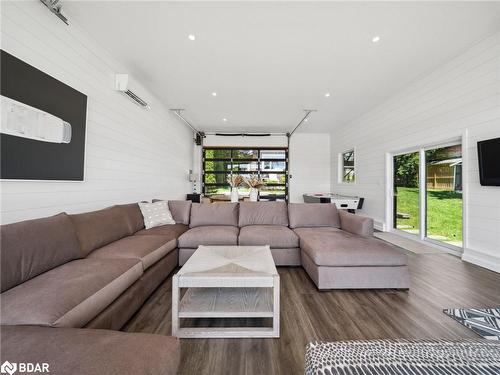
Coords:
pixel 121 84
pixel 21 120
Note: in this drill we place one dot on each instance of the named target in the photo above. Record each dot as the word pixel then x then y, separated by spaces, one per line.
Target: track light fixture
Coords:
pixel 55 7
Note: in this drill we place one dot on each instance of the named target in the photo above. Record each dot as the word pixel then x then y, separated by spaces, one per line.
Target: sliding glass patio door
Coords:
pixel 406 193
pixel 427 194
pixel 443 195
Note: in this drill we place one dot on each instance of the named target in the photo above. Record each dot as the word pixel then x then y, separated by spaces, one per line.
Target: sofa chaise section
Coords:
pixel 266 223
pixel 91 351
pixel 210 224
pixel 341 260
pixel 338 250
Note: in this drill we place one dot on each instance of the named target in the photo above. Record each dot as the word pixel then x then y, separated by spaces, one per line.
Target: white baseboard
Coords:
pixel 480 259
pixel 379 225
pixel 455 251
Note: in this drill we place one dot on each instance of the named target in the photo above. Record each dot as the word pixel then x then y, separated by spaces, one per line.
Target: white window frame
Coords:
pixel 341 167
pixel 421 237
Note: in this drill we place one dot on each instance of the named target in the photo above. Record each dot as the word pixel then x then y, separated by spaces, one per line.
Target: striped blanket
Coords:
pixel 393 357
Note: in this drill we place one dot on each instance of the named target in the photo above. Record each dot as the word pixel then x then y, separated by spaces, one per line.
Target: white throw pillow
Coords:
pixel 156 214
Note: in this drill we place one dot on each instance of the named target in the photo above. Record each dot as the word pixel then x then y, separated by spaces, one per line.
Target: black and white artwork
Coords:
pixel 42 131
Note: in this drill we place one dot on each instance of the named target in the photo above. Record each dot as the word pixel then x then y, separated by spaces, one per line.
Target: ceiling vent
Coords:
pixel 121 84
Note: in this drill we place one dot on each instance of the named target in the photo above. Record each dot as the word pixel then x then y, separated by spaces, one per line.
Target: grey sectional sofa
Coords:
pixel 337 249
pixel 96 269
pixel 90 270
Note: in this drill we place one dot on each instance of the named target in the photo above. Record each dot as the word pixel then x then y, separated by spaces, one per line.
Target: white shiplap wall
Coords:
pixel 131 154
pixel 459 99
pixel 310 164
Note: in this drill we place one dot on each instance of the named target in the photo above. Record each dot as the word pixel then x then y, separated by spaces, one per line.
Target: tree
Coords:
pixel 406 170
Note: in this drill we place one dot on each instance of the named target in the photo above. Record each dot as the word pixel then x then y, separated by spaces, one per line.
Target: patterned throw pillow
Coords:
pixel 156 214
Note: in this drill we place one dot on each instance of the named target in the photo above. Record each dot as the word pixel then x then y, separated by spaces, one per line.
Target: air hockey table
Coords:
pixel 344 202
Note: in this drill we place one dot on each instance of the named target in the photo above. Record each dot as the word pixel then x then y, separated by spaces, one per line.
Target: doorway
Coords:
pixel 427 194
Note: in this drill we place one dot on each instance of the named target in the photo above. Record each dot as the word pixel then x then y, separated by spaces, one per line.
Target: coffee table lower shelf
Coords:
pixel 226 332
pixel 225 302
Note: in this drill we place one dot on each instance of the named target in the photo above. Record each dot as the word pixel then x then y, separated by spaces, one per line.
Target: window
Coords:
pixel 271 165
pixel 347 173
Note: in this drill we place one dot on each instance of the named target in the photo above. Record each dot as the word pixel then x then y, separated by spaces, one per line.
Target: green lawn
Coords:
pixel 444 213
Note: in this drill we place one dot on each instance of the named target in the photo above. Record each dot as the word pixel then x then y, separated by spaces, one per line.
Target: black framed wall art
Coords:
pixel 43 124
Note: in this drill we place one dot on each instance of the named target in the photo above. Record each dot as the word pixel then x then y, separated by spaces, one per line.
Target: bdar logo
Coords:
pixel 8 368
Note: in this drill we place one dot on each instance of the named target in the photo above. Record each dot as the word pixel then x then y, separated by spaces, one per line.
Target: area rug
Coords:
pixel 408 244
pixel 393 357
pixel 484 322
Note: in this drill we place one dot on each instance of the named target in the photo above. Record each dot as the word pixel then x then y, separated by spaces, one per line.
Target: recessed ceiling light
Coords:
pixel 191 37
pixel 327 95
pixel 375 39
pixel 214 94
pixel 224 119
pixel 306 120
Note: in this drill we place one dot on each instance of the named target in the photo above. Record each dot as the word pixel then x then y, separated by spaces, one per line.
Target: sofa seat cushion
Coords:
pixel 147 249
pixel 209 235
pixel 276 236
pixel 343 249
pixel 69 295
pixel 91 351
pixel 169 231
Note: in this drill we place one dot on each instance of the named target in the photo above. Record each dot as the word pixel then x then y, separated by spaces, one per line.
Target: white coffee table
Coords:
pixel 227 282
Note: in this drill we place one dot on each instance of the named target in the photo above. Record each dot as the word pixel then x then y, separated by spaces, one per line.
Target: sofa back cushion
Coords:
pixel 133 215
pixel 263 213
pixel 309 215
pixel 98 228
pixel 180 211
pixel 213 214
pixel 31 247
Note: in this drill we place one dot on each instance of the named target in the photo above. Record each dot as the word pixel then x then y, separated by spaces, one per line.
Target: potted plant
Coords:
pixel 254 183
pixel 234 180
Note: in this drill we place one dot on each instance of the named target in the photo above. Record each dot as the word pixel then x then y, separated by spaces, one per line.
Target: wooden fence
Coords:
pixel 440 177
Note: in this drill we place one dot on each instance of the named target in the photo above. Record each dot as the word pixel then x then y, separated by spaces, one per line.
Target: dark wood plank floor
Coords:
pixel 438 281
